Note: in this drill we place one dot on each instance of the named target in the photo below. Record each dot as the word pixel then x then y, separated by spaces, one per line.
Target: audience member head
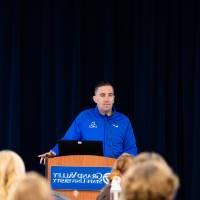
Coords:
pixel 122 163
pixel 150 180
pixel 11 169
pixel 148 156
pixel 33 186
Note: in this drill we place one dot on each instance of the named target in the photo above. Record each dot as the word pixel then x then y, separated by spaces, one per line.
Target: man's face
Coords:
pixel 104 98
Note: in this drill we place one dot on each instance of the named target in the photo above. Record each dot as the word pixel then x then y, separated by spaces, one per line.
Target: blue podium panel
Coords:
pixel 79 178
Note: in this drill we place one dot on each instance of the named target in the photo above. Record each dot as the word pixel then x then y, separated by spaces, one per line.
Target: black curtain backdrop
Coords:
pixel 53 52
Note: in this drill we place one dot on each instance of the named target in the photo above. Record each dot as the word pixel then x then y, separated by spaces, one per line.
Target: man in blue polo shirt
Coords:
pixel 101 123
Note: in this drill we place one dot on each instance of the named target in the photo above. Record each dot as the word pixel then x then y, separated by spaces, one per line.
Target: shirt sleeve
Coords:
pixel 73 133
pixel 130 141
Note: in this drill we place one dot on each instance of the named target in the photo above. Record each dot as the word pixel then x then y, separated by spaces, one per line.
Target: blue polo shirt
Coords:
pixel 114 131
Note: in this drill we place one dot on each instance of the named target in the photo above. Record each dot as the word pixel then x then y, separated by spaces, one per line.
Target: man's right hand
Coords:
pixel 43 157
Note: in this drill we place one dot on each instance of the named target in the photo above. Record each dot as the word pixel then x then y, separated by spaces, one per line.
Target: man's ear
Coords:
pixel 94 99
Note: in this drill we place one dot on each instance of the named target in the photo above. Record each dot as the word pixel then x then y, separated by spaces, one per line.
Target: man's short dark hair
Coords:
pixel 102 83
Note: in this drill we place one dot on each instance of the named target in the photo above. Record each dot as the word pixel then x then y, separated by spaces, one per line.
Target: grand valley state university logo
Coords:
pixel 79 178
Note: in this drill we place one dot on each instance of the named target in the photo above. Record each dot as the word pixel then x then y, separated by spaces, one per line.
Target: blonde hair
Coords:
pixel 149 156
pixel 151 180
pixel 32 186
pixel 122 163
pixel 11 169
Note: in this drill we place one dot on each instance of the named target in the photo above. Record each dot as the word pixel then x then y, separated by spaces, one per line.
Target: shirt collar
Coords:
pixel 113 112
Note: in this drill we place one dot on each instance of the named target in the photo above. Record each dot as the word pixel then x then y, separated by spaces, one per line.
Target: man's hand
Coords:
pixel 43 157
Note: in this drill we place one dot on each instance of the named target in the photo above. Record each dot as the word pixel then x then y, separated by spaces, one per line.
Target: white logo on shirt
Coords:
pixel 93 125
pixel 115 125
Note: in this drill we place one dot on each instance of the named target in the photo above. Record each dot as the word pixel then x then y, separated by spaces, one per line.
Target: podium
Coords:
pixel 88 162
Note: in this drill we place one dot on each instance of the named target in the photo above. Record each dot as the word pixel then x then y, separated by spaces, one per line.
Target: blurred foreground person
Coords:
pixel 149 156
pixel 120 166
pixel 11 170
pixel 149 180
pixel 31 187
